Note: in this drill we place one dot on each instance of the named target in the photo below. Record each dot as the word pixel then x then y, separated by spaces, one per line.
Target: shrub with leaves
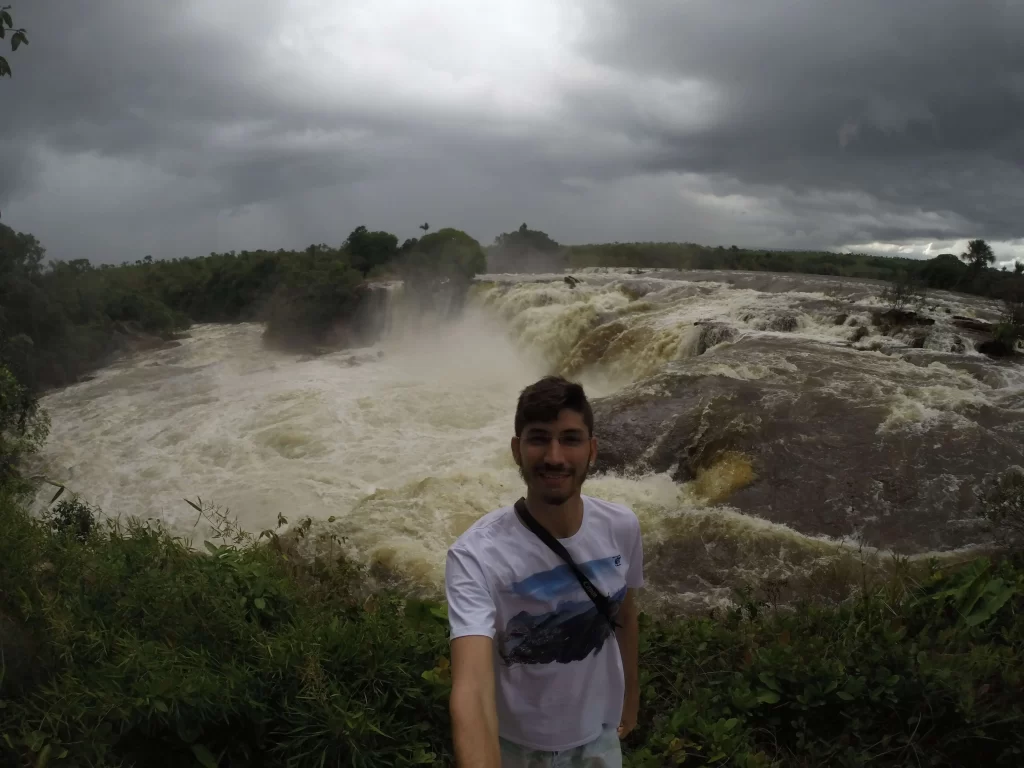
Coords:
pixel 16 36
pixel 24 426
pixel 155 655
pixel 152 654
pixel 73 517
pixel 904 291
pixel 928 676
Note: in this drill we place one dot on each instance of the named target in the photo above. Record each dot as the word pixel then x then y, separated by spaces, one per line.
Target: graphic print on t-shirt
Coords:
pixel 570 632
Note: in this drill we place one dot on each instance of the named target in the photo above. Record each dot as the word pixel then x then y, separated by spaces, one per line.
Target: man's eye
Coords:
pixel 573 440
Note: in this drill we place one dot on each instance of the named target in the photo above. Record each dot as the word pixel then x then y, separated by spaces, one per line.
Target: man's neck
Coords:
pixel 562 520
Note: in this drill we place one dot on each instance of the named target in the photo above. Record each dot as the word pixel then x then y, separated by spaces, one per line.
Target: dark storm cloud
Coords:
pixel 142 80
pixel 180 127
pixel 918 103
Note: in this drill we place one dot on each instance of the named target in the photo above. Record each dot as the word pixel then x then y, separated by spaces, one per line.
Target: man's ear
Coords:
pixel 516 453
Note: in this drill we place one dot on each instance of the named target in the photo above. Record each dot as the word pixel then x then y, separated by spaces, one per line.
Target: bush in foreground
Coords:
pixel 930 675
pixel 150 654
pixel 153 655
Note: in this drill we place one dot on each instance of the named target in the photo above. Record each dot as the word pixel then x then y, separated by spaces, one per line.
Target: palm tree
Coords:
pixel 424 227
pixel 978 255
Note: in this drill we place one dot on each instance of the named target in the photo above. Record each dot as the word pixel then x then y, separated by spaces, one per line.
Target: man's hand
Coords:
pixel 472 707
pixel 628 637
pixel 630 710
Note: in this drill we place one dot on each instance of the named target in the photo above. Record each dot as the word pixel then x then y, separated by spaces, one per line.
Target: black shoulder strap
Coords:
pixel 603 604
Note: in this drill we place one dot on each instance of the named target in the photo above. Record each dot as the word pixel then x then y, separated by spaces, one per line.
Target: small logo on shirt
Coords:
pixel 618 560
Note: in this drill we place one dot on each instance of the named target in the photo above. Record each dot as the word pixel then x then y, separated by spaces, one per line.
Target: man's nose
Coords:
pixel 554 453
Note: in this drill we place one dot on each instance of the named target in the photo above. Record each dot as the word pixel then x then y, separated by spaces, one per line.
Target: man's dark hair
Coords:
pixel 545 399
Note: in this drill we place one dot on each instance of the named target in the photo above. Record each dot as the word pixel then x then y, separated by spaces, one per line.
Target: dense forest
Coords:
pixel 58 320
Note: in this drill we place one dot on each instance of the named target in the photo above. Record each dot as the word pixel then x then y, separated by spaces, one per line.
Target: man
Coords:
pixel 539 675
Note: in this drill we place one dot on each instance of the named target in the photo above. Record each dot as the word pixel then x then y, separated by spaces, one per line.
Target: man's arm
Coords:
pixel 628 636
pixel 474 715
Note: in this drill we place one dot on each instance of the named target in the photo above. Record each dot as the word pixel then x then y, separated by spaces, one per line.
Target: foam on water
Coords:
pixel 407 443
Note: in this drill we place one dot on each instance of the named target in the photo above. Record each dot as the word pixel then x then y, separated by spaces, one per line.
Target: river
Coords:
pixel 406 443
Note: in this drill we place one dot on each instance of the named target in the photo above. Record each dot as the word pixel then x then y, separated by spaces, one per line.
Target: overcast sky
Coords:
pixel 178 127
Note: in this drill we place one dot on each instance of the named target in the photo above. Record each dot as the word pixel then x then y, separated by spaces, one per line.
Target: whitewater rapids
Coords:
pixel 406 443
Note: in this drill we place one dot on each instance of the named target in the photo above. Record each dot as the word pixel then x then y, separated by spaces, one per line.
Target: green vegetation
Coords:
pixel 525 239
pixel 978 255
pixel 59 320
pixel 1010 328
pixel 17 36
pixel 448 255
pixel 23 428
pixel 313 292
pixel 928 673
pixel 971 273
pixel 125 647
pixel 905 290
pixel 526 250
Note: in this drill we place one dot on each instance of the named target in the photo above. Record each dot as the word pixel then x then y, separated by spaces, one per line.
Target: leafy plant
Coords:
pixel 157 655
pixel 903 291
pixel 248 653
pixel 73 517
pixel 17 36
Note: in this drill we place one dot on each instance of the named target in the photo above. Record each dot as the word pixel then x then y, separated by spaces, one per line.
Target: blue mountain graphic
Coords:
pixel 561 581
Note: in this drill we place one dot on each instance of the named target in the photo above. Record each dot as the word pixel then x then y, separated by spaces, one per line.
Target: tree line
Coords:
pixel 970 272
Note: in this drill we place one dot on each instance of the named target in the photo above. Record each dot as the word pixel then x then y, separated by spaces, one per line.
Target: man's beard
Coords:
pixel 556 498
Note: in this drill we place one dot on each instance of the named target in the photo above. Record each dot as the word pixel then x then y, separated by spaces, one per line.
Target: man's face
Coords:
pixel 554 457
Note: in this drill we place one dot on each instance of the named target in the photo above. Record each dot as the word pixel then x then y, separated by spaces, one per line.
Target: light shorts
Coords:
pixel 602 752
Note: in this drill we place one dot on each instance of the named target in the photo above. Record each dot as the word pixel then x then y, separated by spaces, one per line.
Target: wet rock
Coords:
pixel 840 319
pixel 783 323
pixel 832 452
pixel 972 324
pixel 129 338
pixel 859 334
pixel 898 318
pixel 958 345
pixel 918 341
pixel 711 335
pixel 571 281
pixel 996 348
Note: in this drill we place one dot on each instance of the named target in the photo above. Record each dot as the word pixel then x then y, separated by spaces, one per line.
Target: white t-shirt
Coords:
pixel 558 672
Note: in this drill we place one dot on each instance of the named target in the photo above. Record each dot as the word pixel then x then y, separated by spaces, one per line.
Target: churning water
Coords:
pixel 406 443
